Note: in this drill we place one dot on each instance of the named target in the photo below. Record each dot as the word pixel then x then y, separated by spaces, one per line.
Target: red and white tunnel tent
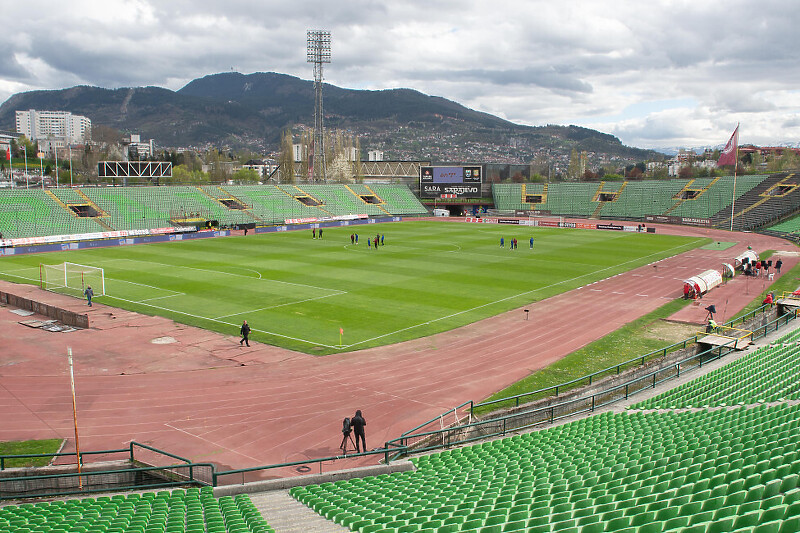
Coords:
pixel 704 282
pixel 728 270
pixel 750 255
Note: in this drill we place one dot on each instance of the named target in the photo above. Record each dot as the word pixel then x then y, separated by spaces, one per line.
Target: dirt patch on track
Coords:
pixel 669 332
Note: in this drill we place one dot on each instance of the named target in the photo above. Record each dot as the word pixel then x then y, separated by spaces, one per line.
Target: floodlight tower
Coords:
pixel 318 47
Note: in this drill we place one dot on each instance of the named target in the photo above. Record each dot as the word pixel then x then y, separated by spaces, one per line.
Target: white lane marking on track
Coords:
pixel 210 441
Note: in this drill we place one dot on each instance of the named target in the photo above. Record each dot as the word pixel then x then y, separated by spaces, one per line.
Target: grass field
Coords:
pixel 297 292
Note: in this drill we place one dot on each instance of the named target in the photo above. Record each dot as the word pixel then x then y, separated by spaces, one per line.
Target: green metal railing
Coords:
pixel 385 452
pixel 556 390
pixel 498 426
pixel 502 425
pixel 183 473
pixel 130 451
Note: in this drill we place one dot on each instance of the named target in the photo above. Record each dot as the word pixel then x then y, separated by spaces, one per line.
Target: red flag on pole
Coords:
pixel 341 331
pixel 8 153
pixel 728 155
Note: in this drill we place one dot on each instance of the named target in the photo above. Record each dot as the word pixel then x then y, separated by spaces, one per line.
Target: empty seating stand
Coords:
pixel 179 511
pixel 37 212
pixel 732 465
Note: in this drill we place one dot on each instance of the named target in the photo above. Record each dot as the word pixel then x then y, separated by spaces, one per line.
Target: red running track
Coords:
pixel 206 398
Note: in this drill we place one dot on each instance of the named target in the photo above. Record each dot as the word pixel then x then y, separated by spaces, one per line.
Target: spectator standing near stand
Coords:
pixel 358 423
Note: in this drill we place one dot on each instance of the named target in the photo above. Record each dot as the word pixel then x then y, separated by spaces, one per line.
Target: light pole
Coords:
pixel 25 149
pixel 70 166
pixel 318 52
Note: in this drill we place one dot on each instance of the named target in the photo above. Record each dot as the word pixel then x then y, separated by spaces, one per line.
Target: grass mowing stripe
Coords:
pixel 428 278
pixel 494 302
pixel 217 321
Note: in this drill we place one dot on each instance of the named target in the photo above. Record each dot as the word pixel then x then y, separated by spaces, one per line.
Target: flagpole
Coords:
pixel 735 164
pixel 75 417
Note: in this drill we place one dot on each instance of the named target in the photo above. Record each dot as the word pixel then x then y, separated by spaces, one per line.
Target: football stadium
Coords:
pixel 579 357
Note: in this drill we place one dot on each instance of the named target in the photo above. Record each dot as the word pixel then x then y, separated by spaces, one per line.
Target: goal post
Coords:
pixel 72 278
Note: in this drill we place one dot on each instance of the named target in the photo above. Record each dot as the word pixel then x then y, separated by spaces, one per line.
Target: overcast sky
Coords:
pixel 655 73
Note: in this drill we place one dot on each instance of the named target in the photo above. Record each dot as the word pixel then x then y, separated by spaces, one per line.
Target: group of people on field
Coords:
pixel 513 243
pixel 371 243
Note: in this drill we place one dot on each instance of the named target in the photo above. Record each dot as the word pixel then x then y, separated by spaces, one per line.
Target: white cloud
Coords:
pixel 615 65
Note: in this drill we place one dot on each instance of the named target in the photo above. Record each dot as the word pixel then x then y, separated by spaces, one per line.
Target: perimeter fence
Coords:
pixel 449 428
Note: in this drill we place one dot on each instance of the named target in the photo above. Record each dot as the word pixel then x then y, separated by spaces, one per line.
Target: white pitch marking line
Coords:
pixel 226 323
pixel 229 274
pixel 507 298
pixel 275 306
pixel 167 296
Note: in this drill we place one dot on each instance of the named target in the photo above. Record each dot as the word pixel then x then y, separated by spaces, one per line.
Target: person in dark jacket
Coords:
pixel 358 423
pixel 245 331
pixel 88 293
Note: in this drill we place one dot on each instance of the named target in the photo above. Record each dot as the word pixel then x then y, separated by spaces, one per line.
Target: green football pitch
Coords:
pixel 297 292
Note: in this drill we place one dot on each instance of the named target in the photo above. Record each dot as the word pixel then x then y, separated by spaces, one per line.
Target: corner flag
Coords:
pixel 728 155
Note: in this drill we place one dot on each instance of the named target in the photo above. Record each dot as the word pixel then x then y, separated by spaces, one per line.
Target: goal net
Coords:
pixel 72 278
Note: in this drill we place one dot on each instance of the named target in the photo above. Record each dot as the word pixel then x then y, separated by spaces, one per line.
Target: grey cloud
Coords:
pixel 526 77
pixel 10 68
pixel 793 122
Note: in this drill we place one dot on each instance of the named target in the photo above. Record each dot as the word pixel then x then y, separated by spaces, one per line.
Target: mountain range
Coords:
pixel 250 111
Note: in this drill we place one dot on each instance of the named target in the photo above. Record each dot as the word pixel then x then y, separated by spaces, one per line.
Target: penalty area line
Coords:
pixel 279 305
pixel 178 267
pixel 288 337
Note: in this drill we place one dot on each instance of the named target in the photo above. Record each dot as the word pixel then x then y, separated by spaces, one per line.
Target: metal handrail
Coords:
pixel 191 479
pixel 402 441
pixel 382 451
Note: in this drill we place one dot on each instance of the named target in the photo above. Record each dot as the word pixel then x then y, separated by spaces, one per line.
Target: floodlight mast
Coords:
pixel 318 46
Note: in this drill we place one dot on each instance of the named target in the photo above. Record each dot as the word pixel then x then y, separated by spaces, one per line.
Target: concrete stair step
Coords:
pixel 287 515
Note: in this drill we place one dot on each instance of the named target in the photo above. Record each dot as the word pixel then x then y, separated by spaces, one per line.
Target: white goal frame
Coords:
pixel 71 276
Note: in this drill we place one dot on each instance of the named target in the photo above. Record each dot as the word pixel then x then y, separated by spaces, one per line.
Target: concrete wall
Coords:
pixel 62 315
